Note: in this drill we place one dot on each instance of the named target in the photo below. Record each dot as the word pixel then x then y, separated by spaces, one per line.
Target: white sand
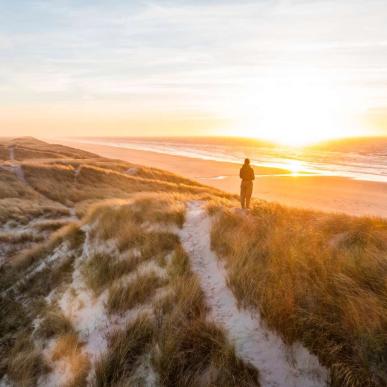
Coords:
pixel 90 318
pixel 278 364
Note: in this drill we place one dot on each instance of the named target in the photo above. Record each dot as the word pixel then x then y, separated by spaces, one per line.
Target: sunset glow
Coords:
pixel 299 109
pixel 290 72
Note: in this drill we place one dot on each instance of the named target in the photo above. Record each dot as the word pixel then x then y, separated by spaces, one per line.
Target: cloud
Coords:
pixel 185 54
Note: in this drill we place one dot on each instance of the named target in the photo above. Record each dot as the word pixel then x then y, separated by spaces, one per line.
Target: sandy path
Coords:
pixel 278 364
pixel 15 166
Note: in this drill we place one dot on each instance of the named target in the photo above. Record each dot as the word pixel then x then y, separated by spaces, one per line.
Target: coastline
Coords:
pixel 325 193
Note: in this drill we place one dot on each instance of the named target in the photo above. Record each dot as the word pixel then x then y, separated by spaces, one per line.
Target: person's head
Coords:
pixel 247 161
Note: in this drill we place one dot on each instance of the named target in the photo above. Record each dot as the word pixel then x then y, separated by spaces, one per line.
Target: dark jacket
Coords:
pixel 246 173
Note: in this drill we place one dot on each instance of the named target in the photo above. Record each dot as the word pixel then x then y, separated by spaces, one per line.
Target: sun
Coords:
pixel 297 110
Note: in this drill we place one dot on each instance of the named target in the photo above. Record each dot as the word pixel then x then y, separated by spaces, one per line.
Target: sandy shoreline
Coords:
pixel 333 194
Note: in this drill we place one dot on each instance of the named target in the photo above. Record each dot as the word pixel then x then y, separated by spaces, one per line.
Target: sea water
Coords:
pixel 363 160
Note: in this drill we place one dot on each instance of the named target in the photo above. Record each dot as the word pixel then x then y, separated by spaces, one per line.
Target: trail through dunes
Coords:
pixel 279 365
pixel 16 167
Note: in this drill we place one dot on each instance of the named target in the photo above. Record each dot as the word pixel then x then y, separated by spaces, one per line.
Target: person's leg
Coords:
pixel 243 194
pixel 249 192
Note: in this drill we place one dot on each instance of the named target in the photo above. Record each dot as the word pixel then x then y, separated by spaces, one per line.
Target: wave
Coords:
pixel 371 166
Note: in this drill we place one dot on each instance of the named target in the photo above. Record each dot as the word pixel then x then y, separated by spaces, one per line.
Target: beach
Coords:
pixel 326 193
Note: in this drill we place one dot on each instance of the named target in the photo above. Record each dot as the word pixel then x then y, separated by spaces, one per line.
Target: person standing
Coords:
pixel 246 173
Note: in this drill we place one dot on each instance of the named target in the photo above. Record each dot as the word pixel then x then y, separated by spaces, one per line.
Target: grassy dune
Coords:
pixel 317 278
pixel 89 243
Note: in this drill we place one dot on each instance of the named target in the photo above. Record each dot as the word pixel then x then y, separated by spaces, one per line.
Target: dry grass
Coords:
pixel 139 222
pixel 54 323
pixel 19 202
pixel 67 348
pixel 16 274
pixel 58 183
pixel 126 349
pixel 14 323
pixel 142 171
pixel 317 278
pixel 164 209
pixel 20 237
pixel 12 187
pixel 191 350
pixel 124 296
pixel 50 224
pixel 25 364
pixel 70 233
pixel 31 148
pixel 43 282
pixel 3 152
pixel 101 270
pixel 196 353
pixel 126 223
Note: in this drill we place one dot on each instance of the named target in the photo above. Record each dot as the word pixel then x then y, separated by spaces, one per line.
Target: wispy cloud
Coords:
pixel 198 55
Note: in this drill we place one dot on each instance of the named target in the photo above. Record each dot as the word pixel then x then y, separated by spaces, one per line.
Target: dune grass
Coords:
pixel 58 182
pixel 25 363
pixel 14 324
pixel 124 296
pixel 141 222
pixel 185 349
pixel 126 348
pixel 138 225
pixel 68 348
pixel 192 350
pixel 318 278
pixel 53 324
pixel 15 272
pixel 101 270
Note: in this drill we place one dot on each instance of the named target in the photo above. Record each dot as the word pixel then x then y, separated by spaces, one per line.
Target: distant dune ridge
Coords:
pixel 113 273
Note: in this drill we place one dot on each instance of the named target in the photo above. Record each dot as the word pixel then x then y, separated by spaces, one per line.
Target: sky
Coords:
pixel 276 69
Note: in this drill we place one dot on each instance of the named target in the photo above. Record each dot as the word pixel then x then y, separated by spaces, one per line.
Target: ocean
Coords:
pixel 363 159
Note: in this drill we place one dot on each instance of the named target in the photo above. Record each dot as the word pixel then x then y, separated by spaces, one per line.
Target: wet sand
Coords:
pixel 333 194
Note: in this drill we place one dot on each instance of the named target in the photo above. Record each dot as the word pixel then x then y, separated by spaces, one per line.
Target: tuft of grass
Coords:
pixel 53 324
pixel 123 221
pixel 50 224
pixel 158 243
pixel 126 348
pixel 41 283
pixel 179 265
pixel 68 348
pixel 70 233
pixel 25 364
pixel 102 270
pixel 16 270
pixel 14 322
pixel 196 353
pixel 124 296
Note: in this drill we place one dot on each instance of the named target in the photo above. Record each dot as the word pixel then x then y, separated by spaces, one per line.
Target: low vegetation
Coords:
pixel 316 278
pixel 126 350
pixel 124 296
pixel 119 274
pixel 192 350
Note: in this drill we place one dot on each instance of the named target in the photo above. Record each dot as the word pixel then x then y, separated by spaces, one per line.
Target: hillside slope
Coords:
pixel 116 274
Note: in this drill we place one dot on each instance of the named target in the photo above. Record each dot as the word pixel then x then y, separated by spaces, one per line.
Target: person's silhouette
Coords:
pixel 246 173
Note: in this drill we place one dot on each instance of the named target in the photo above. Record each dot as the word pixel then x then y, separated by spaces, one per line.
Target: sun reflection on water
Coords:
pixel 295 167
